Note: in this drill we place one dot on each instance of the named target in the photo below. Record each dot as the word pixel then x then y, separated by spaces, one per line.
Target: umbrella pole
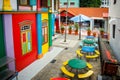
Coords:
pixel 80 29
pixel 66 20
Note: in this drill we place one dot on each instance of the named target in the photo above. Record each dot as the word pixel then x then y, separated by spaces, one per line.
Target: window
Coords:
pixel 24 2
pixel 44 3
pixel 114 30
pixel 44 31
pixel 72 4
pixel 26 38
pixel 65 3
pixel 114 1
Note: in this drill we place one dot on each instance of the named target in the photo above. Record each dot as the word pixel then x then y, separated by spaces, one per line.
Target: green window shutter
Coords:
pixel 33 2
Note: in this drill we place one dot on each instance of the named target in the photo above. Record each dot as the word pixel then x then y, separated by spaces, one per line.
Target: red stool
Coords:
pixel 59 78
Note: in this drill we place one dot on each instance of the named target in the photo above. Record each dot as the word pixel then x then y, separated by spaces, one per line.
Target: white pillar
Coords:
pixel 91 24
pixel 106 25
pixel 52 5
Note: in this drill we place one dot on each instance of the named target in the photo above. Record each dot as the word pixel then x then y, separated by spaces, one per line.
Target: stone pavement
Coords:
pixel 52 69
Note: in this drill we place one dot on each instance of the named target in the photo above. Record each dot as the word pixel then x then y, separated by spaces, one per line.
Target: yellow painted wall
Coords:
pixel 45 48
pixel 44 16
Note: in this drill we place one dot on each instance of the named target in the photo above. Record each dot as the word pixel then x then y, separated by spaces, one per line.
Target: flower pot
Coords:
pixel 70 31
pixel 62 31
pixel 76 32
pixel 88 33
pixel 94 34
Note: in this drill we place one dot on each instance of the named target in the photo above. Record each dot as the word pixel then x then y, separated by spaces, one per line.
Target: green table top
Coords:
pixel 77 63
pixel 87 41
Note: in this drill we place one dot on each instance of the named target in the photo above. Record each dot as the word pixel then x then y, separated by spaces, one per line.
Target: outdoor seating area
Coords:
pixel 81 67
pixel 79 63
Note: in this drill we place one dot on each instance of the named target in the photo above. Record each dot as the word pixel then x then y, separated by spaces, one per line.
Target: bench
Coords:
pixel 66 72
pixel 59 78
pixel 86 75
pixel 92 56
pixel 89 66
pixel 95 56
pixel 97 52
pixel 78 53
pixel 65 63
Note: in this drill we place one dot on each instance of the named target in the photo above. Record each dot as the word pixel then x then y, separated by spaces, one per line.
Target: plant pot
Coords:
pixel 70 31
pixel 94 34
pixel 76 32
pixel 88 33
pixel 62 31
pixel 102 34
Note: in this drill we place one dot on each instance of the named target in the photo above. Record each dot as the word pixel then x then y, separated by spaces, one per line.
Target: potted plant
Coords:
pixel 70 29
pixel 102 32
pixel 76 28
pixel 88 32
pixel 62 29
pixel 94 34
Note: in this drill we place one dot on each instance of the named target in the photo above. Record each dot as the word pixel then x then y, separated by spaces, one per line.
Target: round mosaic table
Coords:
pixel 87 41
pixel 90 37
pixel 77 63
pixel 88 49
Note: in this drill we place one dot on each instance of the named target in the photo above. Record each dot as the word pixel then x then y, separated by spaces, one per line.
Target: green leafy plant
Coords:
pixel 76 27
pixel 101 29
pixel 70 27
pixel 62 28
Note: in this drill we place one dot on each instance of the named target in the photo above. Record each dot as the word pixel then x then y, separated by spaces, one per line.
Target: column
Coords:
pixel 91 24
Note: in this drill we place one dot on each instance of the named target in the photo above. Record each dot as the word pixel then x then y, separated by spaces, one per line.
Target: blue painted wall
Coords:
pixel 53 22
pixel 69 1
pixel 39 33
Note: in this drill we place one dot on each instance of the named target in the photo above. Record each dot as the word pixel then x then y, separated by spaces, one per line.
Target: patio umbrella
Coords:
pixel 80 18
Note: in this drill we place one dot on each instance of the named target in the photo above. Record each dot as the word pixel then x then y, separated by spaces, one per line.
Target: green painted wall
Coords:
pixel 50 29
pixel 2 46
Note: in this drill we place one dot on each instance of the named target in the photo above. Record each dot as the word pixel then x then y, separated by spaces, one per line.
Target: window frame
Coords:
pixel 115 1
pixel 26 31
pixel 114 28
pixel 26 3
pixel 71 3
pixel 45 31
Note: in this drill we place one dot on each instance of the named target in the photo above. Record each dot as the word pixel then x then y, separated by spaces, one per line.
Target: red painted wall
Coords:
pixel 24 60
pixel 57 25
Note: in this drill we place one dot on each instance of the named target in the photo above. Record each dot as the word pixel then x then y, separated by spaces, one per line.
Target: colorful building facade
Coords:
pixel 26 30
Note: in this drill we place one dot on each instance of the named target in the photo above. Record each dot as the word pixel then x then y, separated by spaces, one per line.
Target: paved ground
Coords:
pixel 53 68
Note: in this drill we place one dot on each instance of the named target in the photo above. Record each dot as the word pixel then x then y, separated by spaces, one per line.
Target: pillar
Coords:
pixel 91 24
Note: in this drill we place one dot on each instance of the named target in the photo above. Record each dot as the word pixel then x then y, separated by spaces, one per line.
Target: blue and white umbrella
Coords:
pixel 80 18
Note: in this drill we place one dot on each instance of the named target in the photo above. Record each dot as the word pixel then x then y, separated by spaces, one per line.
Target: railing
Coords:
pixel 109 65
